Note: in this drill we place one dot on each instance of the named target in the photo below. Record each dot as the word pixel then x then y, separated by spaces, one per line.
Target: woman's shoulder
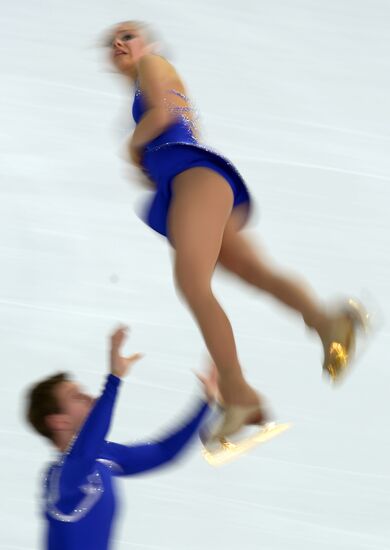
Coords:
pixel 158 68
pixel 156 62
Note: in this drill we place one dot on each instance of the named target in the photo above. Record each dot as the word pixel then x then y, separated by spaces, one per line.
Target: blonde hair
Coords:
pixel 146 30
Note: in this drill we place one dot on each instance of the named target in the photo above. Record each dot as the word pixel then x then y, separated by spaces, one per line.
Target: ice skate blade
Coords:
pixel 229 451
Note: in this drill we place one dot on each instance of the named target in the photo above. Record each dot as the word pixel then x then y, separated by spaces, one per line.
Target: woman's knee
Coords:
pixel 236 261
pixel 191 282
pixel 249 269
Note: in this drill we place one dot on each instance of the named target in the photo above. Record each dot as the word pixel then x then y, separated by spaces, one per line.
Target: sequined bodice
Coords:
pixel 176 150
pixel 183 130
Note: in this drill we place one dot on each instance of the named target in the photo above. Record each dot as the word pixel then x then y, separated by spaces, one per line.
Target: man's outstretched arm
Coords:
pixel 134 459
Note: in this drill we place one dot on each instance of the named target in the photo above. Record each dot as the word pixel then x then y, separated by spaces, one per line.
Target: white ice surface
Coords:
pixel 296 93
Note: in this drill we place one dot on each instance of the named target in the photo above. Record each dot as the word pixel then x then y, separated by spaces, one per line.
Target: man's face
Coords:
pixel 75 406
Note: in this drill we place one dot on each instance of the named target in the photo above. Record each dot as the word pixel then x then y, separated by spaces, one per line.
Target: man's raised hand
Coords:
pixel 119 364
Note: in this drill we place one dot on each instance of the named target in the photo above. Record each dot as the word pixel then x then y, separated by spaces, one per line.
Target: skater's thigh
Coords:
pixel 201 206
pixel 238 250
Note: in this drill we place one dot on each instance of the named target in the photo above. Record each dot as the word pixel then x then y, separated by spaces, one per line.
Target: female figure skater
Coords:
pixel 200 203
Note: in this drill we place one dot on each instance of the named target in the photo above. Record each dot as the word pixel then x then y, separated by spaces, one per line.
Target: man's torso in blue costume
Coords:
pixel 79 490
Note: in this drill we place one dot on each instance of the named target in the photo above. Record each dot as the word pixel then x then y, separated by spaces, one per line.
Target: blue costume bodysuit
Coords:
pixel 177 150
pixel 79 495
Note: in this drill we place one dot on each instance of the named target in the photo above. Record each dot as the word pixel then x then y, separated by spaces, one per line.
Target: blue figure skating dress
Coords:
pixel 174 151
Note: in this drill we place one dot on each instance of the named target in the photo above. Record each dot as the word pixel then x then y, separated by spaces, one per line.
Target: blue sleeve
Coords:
pixel 79 462
pixel 134 459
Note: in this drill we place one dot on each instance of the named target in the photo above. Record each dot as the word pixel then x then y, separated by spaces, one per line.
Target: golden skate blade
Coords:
pixel 229 451
pixel 338 361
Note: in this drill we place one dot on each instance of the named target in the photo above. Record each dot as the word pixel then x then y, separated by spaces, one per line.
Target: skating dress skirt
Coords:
pixel 173 152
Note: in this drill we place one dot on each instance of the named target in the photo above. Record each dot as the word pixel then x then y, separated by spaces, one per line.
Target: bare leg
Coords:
pixel 239 256
pixel 201 206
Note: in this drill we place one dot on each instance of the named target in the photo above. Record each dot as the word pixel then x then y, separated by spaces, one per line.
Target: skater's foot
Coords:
pixel 235 417
pixel 247 408
pixel 339 338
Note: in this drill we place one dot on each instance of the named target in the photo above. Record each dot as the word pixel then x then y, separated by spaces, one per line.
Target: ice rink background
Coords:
pixel 296 93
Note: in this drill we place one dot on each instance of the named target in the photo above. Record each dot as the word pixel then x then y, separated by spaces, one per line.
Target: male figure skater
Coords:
pixel 79 494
